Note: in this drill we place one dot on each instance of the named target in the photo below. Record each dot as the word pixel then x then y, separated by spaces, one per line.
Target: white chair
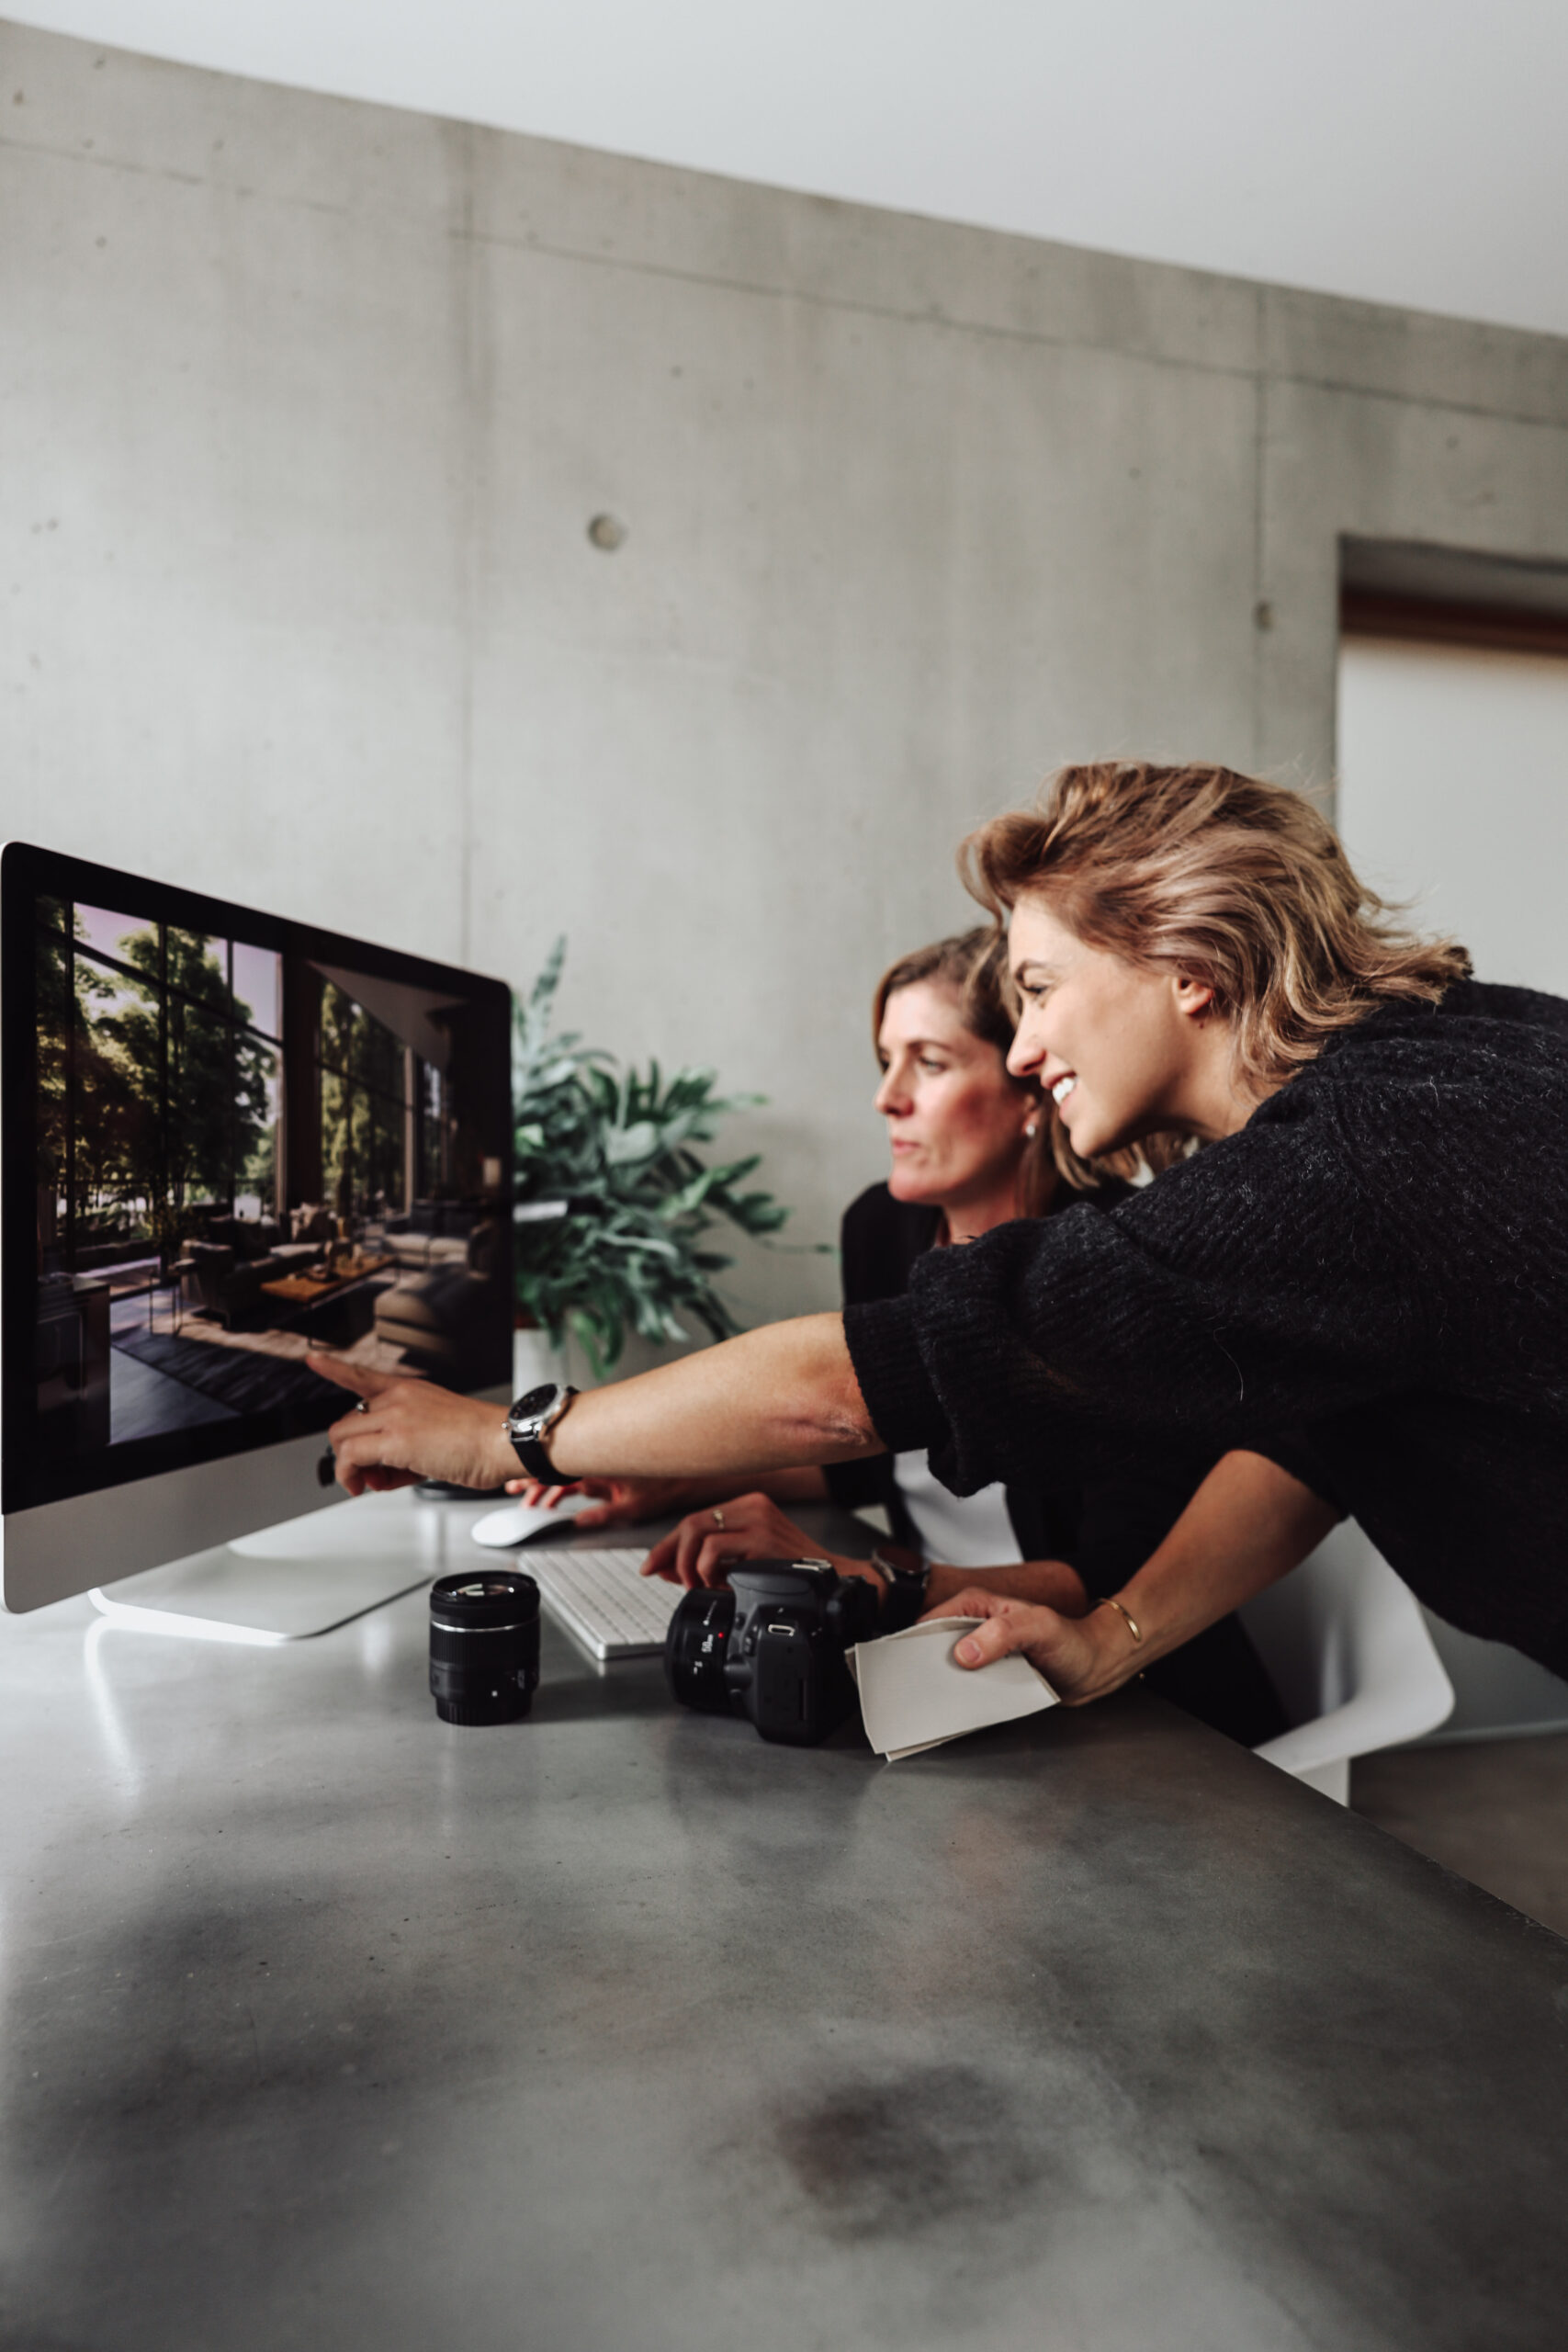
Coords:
pixel 1349 1652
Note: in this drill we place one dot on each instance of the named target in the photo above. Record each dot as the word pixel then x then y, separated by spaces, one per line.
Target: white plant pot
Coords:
pixel 534 1361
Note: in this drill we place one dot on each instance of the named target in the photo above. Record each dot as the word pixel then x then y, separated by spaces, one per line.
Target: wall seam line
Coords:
pixel 468 592
pixel 1345 387
pixel 1260 500
pixel 1243 371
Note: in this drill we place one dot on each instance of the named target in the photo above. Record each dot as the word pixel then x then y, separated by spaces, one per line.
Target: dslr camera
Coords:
pixel 772 1648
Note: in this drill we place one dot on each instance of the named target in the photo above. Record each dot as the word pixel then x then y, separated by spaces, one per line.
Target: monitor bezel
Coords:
pixel 26 872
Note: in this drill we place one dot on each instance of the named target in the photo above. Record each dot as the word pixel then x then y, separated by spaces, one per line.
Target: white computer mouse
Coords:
pixel 519 1523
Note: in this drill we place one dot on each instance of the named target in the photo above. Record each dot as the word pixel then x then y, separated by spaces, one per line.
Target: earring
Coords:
pixel 1031 1128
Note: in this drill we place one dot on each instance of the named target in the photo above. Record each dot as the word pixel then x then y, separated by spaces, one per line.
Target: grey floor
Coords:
pixel 1496 1811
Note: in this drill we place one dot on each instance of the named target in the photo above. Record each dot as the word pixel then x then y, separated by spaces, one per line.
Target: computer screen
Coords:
pixel 228 1140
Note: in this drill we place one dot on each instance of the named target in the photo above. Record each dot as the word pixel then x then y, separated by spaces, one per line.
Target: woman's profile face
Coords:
pixel 1108 1041
pixel 955 1120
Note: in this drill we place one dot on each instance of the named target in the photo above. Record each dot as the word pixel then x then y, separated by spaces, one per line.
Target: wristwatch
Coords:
pixel 530 1421
pixel 908 1575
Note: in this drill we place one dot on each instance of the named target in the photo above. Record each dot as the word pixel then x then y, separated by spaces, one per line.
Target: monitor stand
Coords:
pixel 289 1583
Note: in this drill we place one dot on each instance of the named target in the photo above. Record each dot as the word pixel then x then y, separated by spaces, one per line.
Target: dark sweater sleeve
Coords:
pixel 1250 1291
pixel 1293 1451
pixel 879 1240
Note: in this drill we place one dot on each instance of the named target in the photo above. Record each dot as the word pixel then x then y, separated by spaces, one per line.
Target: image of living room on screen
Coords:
pixel 243 1155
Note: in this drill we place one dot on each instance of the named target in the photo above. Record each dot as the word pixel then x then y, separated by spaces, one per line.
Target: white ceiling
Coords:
pixel 1407 151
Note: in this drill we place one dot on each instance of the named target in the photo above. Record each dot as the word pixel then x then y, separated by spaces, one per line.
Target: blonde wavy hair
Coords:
pixel 1241 884
pixel 971 965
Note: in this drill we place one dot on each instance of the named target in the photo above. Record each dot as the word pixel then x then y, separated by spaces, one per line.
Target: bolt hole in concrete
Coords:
pixel 1454 792
pixel 606 533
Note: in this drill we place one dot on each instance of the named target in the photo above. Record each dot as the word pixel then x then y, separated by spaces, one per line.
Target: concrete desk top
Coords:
pixel 328 2024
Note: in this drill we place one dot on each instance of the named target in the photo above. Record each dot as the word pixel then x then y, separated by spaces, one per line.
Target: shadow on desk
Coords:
pixel 589 1698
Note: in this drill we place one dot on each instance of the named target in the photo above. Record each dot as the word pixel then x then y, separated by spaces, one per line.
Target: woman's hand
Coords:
pixel 752 1527
pixel 407 1429
pixel 1081 1658
pixel 1248 1524
pixel 626 1500
pixel 619 1503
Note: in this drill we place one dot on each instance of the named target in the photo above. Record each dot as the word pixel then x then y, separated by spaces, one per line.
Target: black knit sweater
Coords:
pixel 1105 1530
pixel 1368 1283
pixel 879 1241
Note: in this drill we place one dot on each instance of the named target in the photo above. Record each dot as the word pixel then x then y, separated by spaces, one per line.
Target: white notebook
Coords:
pixel 914 1695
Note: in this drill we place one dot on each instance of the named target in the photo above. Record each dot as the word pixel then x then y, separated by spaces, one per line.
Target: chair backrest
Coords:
pixel 1349 1652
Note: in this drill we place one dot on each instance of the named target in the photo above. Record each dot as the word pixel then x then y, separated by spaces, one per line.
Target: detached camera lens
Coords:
pixel 484 1645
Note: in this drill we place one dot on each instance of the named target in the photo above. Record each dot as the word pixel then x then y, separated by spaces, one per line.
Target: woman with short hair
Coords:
pixel 971 1147
pixel 1358 1284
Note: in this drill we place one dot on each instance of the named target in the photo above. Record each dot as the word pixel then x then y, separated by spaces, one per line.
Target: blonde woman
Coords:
pixel 1359 1286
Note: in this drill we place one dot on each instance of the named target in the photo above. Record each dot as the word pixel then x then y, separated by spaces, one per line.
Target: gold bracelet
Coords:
pixel 1121 1611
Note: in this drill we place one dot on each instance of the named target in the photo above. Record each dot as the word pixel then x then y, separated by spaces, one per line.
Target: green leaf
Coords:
pixel 640 1142
pixel 617 1146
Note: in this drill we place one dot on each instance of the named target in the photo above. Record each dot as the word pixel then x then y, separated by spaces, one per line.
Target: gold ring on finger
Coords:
pixel 718 1517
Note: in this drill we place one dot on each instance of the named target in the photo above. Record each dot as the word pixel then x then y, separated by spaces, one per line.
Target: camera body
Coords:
pixel 772 1648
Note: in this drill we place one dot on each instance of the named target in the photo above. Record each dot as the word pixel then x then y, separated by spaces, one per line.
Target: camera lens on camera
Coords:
pixel 484 1645
pixel 696 1648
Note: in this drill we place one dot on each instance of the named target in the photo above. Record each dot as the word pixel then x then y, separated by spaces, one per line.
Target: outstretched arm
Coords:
pixel 771 1399
pixel 1248 1524
pixel 623 1502
pixel 704 1546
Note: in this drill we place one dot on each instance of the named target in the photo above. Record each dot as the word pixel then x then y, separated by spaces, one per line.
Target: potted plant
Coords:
pixel 613 1204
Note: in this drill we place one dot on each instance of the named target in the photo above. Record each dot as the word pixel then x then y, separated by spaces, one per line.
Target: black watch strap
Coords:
pixel 908 1575
pixel 528 1425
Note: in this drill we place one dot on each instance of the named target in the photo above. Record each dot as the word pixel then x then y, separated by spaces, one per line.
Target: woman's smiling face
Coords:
pixel 1113 1043
pixel 955 1120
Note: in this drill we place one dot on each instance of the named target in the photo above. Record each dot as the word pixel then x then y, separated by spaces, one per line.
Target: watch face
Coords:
pixel 535 1402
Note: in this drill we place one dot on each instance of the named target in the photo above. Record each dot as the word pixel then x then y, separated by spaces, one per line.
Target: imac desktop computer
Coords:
pixel 229 1140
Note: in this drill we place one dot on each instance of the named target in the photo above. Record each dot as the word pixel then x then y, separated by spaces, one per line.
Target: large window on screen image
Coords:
pixel 229 1141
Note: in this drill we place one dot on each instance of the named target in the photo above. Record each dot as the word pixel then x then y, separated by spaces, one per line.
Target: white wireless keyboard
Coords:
pixel 601 1599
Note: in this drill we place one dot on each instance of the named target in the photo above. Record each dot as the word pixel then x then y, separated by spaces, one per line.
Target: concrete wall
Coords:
pixel 308 405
